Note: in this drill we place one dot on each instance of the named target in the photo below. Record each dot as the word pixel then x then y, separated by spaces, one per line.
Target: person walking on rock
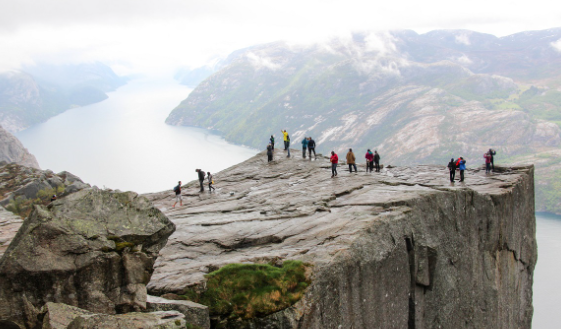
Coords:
pixel 177 191
pixel 487 157
pixel 351 161
pixel 210 182
pixel 269 153
pixel 201 178
pixel 369 160
pixel 285 135
pixel 377 161
pixel 492 153
pixel 288 145
pixel 272 140
pixel 462 166
pixel 334 161
pixel 304 147
pixel 311 147
pixel 452 169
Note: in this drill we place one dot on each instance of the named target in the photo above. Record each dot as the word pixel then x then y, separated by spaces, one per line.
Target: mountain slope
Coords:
pixel 38 93
pixel 11 150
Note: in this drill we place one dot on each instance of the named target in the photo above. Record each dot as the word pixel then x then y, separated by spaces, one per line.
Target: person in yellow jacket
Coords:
pixel 351 160
pixel 285 135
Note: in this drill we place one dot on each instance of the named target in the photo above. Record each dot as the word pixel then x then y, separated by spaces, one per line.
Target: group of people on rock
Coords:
pixel 372 161
pixel 308 144
pixel 460 164
pixel 201 174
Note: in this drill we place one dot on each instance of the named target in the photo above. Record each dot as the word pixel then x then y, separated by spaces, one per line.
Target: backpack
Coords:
pixel 176 188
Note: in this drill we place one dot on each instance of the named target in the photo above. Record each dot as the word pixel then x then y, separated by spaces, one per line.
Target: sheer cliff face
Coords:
pixel 415 98
pixel 398 249
pixel 11 150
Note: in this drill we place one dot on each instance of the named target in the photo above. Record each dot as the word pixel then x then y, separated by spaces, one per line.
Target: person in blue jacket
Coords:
pixel 462 167
pixel 304 147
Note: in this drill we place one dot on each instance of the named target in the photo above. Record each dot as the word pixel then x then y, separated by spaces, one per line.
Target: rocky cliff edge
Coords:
pixel 403 248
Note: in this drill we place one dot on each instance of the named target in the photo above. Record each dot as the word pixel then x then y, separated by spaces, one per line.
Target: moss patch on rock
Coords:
pixel 245 291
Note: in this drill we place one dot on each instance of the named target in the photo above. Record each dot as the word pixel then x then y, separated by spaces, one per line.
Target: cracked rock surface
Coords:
pixel 396 249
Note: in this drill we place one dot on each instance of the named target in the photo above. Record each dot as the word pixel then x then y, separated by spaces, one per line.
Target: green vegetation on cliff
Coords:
pixel 245 291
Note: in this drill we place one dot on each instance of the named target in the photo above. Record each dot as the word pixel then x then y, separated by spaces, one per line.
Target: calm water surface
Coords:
pixel 547 290
pixel 123 142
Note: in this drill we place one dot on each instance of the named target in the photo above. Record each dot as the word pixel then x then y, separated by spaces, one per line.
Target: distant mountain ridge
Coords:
pixel 40 92
pixel 417 98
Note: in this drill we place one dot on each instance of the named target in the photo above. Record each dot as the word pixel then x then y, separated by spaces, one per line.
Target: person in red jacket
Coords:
pixel 334 161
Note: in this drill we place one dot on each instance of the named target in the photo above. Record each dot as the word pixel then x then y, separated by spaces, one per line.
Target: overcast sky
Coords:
pixel 134 36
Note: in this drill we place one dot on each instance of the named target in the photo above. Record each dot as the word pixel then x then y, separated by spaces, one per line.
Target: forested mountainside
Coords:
pixel 416 98
pixel 40 92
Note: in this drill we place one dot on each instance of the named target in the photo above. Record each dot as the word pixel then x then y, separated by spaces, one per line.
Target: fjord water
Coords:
pixel 547 291
pixel 123 142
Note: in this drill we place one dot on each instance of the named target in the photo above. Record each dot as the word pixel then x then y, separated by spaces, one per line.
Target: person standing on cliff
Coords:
pixel 334 161
pixel 177 191
pixel 351 161
pixel 311 147
pixel 201 178
pixel 272 139
pixel 269 153
pixel 369 160
pixel 304 147
pixel 287 144
pixel 285 135
pixel 377 161
pixel 452 169
pixel 462 166
pixel 487 157
pixel 492 153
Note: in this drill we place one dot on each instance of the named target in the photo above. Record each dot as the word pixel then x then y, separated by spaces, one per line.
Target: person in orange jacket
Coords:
pixel 334 161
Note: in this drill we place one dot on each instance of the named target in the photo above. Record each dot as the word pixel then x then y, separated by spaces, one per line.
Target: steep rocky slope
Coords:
pixel 400 249
pixel 12 150
pixel 416 98
pixel 40 92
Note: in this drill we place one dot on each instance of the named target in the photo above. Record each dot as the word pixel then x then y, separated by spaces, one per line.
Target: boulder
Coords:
pixel 9 225
pixel 62 316
pixel 93 249
pixel 195 314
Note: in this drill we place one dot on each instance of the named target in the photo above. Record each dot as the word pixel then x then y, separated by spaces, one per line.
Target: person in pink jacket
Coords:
pixel 487 157
pixel 334 161
pixel 369 160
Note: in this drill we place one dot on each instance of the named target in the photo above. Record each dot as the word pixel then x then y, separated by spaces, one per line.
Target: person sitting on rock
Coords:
pixel 177 191
pixel 334 160
pixel 351 161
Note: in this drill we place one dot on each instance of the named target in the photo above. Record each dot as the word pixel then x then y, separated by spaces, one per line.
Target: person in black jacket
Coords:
pixel 452 168
pixel 311 147
pixel 377 161
pixel 269 153
pixel 201 178
pixel 492 153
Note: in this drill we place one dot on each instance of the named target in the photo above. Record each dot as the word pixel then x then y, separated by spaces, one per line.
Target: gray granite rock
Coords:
pixel 403 248
pixel 62 316
pixel 11 150
pixel 93 249
pixel 195 314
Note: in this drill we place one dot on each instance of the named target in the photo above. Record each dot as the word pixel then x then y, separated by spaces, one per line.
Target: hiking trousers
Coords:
pixel 285 145
pixel 370 166
pixel 304 152
pixel 201 183
pixel 333 169
pixel 452 175
pixel 461 175
pixel 269 157
pixel 377 165
pixel 351 165
pixel 310 150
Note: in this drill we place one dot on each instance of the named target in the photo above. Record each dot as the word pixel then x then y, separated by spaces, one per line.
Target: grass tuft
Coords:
pixel 245 291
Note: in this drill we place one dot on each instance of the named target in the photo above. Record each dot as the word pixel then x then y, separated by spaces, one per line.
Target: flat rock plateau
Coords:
pixel 403 248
